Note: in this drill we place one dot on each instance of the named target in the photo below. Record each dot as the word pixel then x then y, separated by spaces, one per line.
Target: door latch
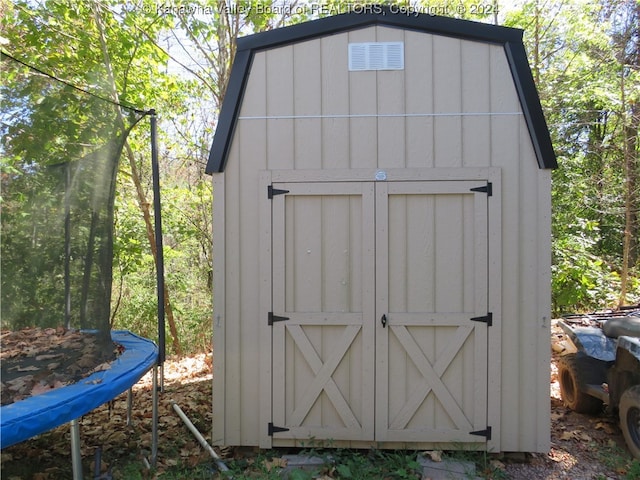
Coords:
pixel 383 320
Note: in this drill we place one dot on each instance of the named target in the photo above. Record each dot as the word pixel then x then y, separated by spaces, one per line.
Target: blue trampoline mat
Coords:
pixel 32 416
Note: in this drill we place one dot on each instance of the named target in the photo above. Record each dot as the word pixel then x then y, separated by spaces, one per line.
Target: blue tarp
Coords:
pixel 32 416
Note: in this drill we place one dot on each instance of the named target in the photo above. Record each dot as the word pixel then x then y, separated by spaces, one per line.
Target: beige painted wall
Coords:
pixel 454 105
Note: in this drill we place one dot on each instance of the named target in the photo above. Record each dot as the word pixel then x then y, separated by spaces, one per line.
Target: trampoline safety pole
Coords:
pixel 154 421
pixel 76 455
pixel 155 169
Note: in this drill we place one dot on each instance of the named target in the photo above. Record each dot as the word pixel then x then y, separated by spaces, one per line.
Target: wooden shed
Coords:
pixel 381 238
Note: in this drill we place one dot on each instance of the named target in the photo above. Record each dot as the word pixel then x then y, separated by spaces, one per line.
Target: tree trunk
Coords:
pixel 142 200
pixel 630 60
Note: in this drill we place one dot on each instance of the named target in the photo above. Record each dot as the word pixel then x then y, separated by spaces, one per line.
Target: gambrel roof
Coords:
pixel 510 38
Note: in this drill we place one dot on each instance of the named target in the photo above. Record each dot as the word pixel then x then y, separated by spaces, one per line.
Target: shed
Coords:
pixel 381 238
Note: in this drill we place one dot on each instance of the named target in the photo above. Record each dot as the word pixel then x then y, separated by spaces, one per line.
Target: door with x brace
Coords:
pixel 431 306
pixel 323 284
pixel 377 292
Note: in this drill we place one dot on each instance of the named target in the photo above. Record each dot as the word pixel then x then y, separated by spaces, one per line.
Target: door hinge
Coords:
pixel 488 319
pixel 483 433
pixel 488 189
pixel 275 318
pixel 273 429
pixel 272 192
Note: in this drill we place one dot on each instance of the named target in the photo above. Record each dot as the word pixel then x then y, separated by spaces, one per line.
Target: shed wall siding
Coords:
pixel 454 105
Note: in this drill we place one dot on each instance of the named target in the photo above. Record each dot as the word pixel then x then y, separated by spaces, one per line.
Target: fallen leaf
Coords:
pixel 583 436
pixel 435 455
pixel 40 388
pixel 32 368
pixel 50 356
pixel 100 368
pixel 567 436
pixel 86 361
pixel 275 463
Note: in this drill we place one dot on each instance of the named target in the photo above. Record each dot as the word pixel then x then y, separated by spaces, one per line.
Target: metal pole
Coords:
pixel 221 465
pixel 155 168
pixel 76 456
pixel 67 247
pixel 154 423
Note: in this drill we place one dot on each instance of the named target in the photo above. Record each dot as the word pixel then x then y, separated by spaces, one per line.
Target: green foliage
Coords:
pixel 574 50
pixel 344 464
pixel 618 460
pixel 187 267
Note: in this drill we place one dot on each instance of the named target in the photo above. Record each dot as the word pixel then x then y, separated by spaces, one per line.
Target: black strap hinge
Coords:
pixel 275 318
pixel 273 429
pixel 483 433
pixel 271 192
pixel 488 189
pixel 488 319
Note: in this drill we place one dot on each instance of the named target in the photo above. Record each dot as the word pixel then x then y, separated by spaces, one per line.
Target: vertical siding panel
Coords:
pixel 505 154
pixel 219 302
pixel 391 101
pixel 233 351
pixel 267 303
pixel 447 102
pixel 529 326
pixel 335 101
pixel 251 135
pixel 279 98
pixel 529 297
pixel 543 353
pixel 495 299
pixel 533 427
pixel 418 64
pixel 363 101
pixel 279 81
pixel 251 162
pixel 255 98
pixel 307 102
pixel 475 99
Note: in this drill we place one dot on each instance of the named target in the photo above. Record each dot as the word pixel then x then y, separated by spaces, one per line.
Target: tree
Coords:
pixel 574 50
pixel 61 38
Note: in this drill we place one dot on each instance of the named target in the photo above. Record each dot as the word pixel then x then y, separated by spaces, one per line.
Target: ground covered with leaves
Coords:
pixel 582 447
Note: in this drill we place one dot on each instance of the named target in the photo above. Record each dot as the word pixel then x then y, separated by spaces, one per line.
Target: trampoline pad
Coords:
pixel 32 416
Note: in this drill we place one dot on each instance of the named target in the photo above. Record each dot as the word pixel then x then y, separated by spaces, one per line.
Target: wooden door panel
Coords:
pixel 431 255
pixel 323 283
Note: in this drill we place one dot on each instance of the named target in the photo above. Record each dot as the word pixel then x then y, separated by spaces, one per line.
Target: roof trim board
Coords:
pixel 510 38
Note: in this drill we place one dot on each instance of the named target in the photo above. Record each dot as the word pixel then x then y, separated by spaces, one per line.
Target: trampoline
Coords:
pixel 60 149
pixel 35 415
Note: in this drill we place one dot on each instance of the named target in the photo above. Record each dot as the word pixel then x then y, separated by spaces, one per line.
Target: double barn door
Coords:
pixel 379 311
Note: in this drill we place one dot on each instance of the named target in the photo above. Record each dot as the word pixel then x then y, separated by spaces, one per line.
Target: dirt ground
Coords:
pixel 582 447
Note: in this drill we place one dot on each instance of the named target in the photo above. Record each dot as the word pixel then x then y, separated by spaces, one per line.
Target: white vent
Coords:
pixel 376 56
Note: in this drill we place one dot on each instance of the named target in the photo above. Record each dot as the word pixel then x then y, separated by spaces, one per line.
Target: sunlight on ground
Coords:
pixel 182 370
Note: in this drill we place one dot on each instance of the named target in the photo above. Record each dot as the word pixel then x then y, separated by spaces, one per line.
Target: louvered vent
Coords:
pixel 376 56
